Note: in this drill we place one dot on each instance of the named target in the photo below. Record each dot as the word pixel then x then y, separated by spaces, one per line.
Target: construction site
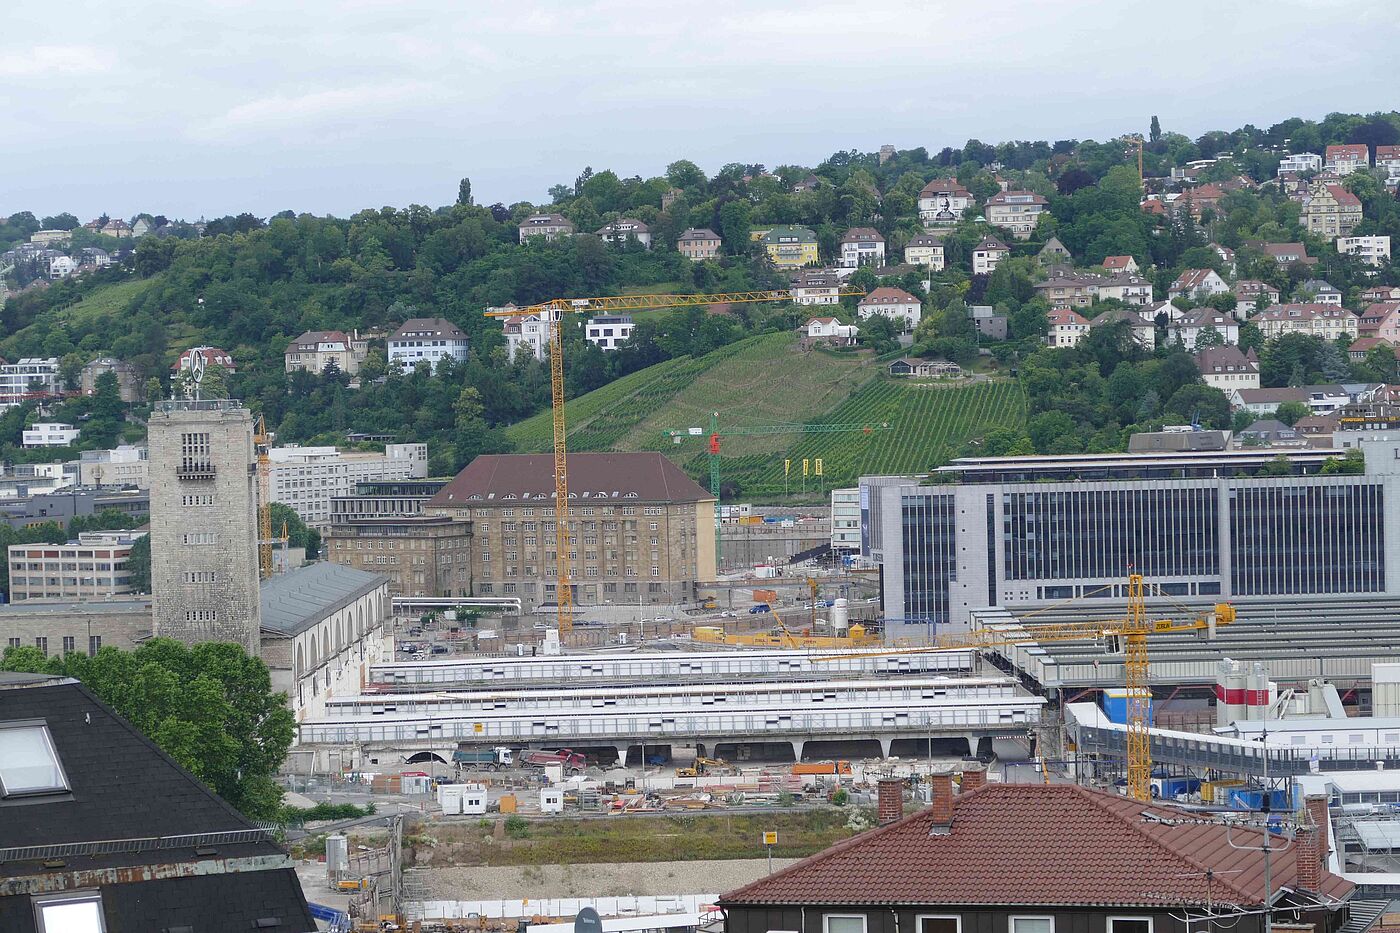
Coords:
pixel 781 698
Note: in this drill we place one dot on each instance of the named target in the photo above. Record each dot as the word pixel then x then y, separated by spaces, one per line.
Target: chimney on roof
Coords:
pixel 1307 856
pixel 1316 805
pixel 973 778
pixel 941 801
pixel 890 802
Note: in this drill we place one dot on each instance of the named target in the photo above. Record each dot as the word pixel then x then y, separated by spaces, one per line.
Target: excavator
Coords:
pixel 701 766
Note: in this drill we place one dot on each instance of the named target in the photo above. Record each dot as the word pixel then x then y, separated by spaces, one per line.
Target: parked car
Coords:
pixel 761 607
pixel 440 649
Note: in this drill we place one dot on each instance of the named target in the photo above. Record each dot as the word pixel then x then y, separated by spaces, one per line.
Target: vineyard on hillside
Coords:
pixel 929 423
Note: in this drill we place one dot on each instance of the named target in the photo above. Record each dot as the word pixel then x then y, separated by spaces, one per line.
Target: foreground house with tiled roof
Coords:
pixel 1017 211
pixel 102 831
pixel 1318 320
pixel 1035 858
pixel 894 303
pixel 1198 284
pixel 1330 210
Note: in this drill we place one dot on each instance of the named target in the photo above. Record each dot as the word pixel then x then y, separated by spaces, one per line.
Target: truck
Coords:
pixel 570 759
pixel 489 759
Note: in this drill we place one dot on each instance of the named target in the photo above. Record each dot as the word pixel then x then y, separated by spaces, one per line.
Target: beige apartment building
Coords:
pixel 422 555
pixel 1330 210
pixel 92 567
pixel 640 530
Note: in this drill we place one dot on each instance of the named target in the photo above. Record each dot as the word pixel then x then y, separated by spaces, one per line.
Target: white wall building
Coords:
pixel 1372 250
pixel 125 465
pixel 30 377
pixel 305 478
pixel 528 333
pixel 862 246
pixel 845 520
pixel 609 331
pixel 427 338
pixel 50 434
pixel 894 303
pixel 91 567
pixel 831 329
pixel 1300 162
pixel 62 267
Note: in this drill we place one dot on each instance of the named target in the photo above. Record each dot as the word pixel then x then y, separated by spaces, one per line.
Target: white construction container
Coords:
pixel 551 800
pixel 1385 689
pixel 462 799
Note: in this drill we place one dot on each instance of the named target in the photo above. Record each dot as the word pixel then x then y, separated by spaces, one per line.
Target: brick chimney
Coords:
pixel 890 803
pixel 1308 858
pixel 1316 805
pixel 973 778
pixel 941 801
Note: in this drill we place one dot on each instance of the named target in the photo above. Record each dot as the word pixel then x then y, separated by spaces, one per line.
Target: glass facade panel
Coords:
pixel 1307 539
pixel 1159 532
pixel 930 556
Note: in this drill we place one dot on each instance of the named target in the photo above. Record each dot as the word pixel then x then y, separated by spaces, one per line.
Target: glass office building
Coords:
pixel 1026 532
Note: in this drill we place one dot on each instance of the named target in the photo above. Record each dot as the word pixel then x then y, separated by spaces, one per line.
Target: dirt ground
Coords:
pixel 595 880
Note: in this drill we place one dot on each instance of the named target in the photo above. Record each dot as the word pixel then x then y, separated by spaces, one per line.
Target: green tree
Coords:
pixel 734 227
pixel 1209 337
pixel 1154 134
pixel 879 334
pixel 1277 466
pixel 210 707
pixel 1351 462
pixel 1290 413
pixel 464 192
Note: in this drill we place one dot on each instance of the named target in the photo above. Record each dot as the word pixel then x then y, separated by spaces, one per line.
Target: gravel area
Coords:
pixel 597 880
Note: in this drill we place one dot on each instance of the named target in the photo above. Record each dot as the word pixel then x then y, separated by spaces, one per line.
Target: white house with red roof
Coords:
pixel 1388 158
pixel 1120 264
pixel 1197 284
pixel 894 303
pixel 1067 328
pixel 1189 327
pixel 1345 159
pixel 861 246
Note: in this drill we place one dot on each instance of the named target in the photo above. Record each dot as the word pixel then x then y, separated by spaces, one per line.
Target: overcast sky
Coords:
pixel 222 106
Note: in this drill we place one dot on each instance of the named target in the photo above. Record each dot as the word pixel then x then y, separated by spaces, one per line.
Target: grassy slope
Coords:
pixel 767 380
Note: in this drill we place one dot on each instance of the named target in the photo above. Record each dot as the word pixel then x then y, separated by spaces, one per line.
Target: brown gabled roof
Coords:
pixel 1059 316
pixel 620 478
pixel 1354 150
pixel 1041 845
pixel 862 234
pixel 944 186
pixel 1225 359
pixel 991 244
pixel 428 326
pixel 1193 278
pixel 1117 262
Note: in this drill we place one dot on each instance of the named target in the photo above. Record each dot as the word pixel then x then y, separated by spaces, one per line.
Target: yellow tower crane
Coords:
pixel 260 446
pixel 1132 631
pixel 552 314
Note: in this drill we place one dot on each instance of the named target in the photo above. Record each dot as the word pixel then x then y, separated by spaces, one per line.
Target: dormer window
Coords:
pixel 29 764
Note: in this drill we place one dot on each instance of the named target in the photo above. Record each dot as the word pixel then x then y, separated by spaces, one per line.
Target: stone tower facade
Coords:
pixel 204 522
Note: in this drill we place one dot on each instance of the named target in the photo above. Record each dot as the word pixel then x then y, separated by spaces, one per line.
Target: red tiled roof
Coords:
pixel 889 295
pixel 943 186
pixel 1351 150
pixel 1192 278
pixel 1344 197
pixel 1066 316
pixel 1301 311
pixel 1387 152
pixel 1116 262
pixel 1036 844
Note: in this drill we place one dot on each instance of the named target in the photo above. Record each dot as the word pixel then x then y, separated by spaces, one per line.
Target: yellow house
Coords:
pixel 791 247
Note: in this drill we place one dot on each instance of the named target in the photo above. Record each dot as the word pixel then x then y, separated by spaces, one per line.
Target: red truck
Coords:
pixel 570 759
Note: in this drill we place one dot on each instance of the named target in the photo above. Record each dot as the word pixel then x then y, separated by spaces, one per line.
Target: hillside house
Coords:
pixel 1318 320
pixel 1120 264
pixel 1330 210
pixel 894 303
pixel 1143 330
pixel 548 226
pixel 1300 162
pixel 987 255
pixel 1054 252
pixel 989 324
pixel 698 245
pixel 1388 158
pixel 1189 327
pixel 608 331
pixel 924 369
pixel 861 246
pixel 1347 158
pixel 1320 292
pixel 1038 858
pixel 1197 285
pixel 526 333
pixel 427 338
pixel 213 356
pixel 1127 287
pixel 1226 368
pixel 1285 253
pixel 1381 319
pixel 60 267
pixel 831 330
pixel 316 350
pixel 1320 399
pixel 1362 346
pixel 942 202
pixel 790 246
pixel 1067 328
pixel 1372 250
pixel 1017 211
pixel 1070 290
pixel 816 287
pixel 1247 294
pixel 1380 293
pixel 925 249
pixel 620 231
